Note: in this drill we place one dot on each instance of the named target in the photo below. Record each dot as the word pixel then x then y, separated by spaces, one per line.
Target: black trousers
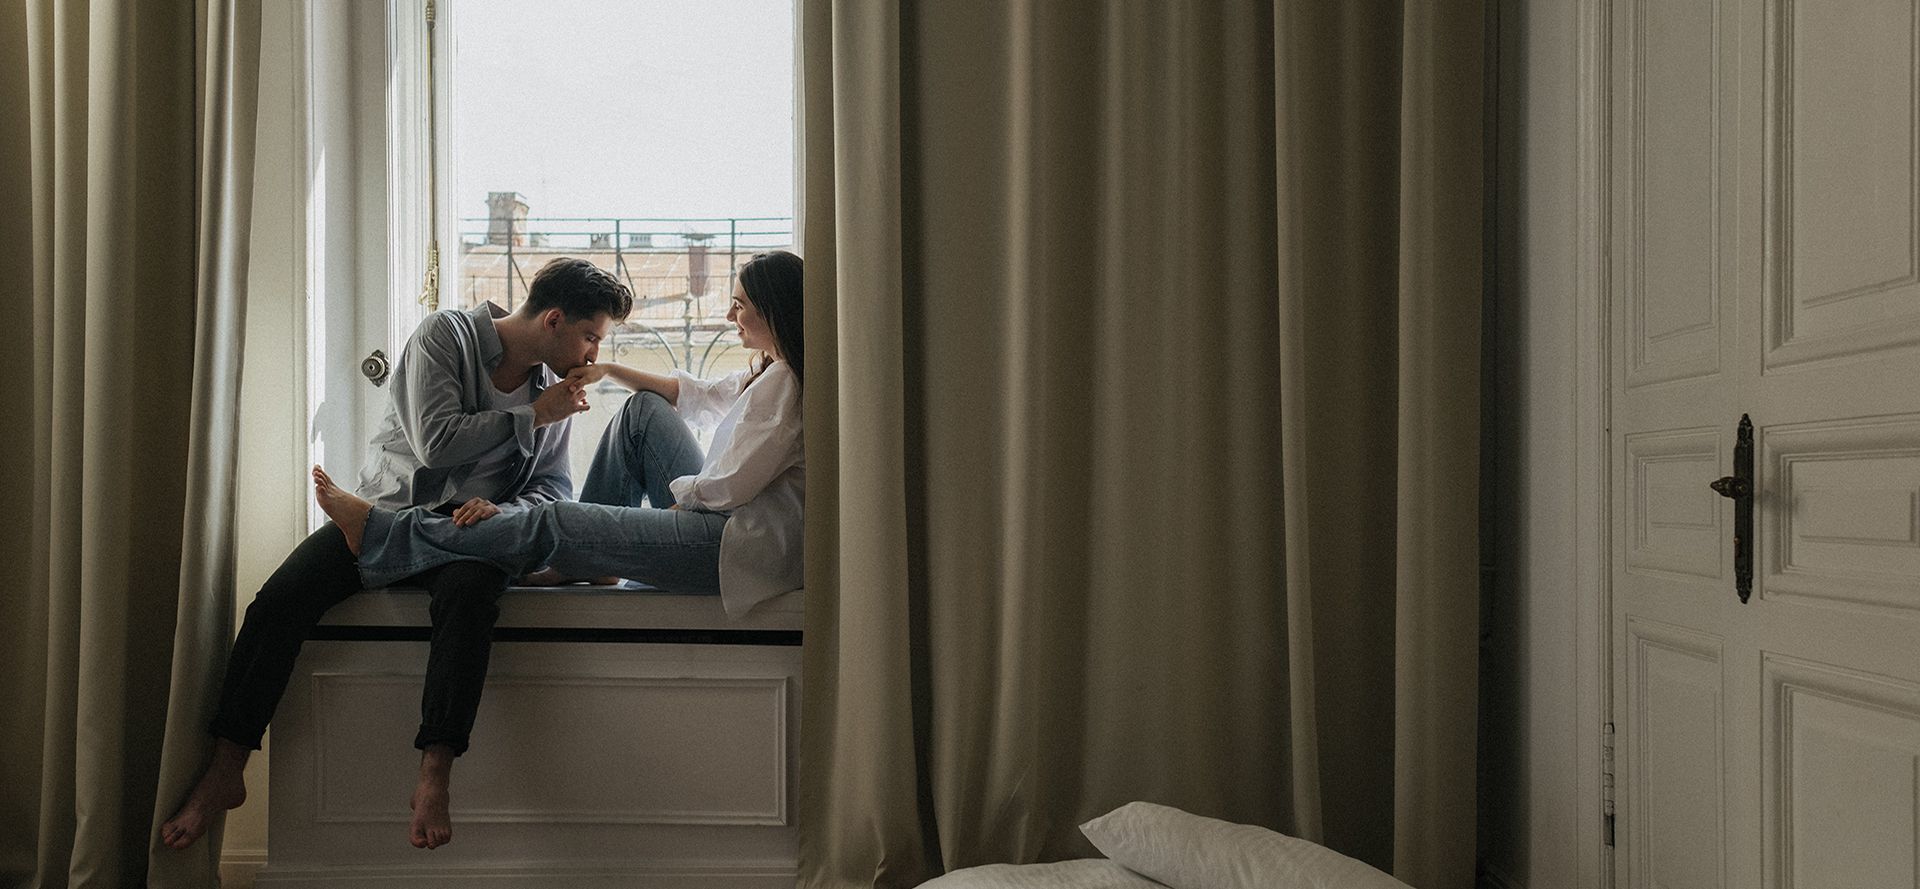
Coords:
pixel 321 573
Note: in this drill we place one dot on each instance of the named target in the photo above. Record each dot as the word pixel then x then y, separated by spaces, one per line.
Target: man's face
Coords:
pixel 572 343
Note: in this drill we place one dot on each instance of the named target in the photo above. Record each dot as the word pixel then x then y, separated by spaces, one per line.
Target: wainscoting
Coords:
pixel 626 739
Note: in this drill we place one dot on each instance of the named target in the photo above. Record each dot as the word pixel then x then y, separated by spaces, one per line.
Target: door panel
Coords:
pixel 1675 753
pixel 1765 261
pixel 1845 529
pixel 1674 266
pixel 1675 521
pixel 1842 189
pixel 1843 777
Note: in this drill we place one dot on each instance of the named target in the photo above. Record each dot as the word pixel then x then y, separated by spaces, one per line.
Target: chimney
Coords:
pixel 506 218
pixel 697 263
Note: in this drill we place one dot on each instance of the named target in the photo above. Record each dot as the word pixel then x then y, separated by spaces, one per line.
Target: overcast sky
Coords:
pixel 624 107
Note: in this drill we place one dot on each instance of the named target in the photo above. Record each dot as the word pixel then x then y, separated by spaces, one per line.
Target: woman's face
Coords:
pixel 754 332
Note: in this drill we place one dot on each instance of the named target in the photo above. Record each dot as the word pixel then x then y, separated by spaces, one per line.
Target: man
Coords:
pixel 477 426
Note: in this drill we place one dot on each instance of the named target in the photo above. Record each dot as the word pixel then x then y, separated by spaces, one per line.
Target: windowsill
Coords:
pixel 577 607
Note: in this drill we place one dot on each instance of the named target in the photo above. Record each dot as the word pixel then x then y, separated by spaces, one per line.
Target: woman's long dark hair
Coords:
pixel 772 281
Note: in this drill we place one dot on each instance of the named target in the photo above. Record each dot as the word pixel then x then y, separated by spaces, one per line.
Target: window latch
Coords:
pixel 376 368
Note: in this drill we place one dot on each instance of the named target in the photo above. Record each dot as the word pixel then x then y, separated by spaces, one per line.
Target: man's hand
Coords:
pixel 559 401
pixel 587 374
pixel 473 512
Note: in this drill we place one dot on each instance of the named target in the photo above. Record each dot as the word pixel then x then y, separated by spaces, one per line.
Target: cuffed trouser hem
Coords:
pixel 247 739
pixel 430 735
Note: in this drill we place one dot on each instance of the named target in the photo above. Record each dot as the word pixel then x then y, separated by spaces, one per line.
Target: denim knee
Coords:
pixel 546 523
pixel 641 405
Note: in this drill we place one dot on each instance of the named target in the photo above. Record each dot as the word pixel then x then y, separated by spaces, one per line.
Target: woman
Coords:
pixel 728 523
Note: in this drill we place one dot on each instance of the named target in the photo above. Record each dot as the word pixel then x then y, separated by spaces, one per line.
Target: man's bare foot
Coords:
pixel 550 577
pixel 432 827
pixel 346 510
pixel 221 787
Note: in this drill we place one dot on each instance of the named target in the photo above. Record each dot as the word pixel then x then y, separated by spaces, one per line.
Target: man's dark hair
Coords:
pixel 578 288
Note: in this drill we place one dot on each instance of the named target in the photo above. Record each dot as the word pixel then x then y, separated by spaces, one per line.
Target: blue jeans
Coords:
pixel 607 533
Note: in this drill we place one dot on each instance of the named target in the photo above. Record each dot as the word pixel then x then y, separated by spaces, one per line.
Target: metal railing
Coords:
pixel 681 271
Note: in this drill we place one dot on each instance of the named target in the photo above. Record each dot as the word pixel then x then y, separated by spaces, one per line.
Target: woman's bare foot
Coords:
pixel 221 787
pixel 346 510
pixel 432 827
pixel 550 577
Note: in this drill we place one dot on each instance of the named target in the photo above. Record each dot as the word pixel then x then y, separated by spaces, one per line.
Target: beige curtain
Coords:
pixel 128 161
pixel 1142 426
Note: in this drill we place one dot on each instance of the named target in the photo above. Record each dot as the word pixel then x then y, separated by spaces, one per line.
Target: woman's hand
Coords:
pixel 473 512
pixel 587 374
pixel 626 377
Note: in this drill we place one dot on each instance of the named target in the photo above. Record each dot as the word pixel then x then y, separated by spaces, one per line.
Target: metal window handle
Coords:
pixel 1739 488
pixel 375 367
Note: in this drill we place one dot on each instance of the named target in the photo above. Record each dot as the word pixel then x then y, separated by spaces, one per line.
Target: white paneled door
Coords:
pixel 1764 160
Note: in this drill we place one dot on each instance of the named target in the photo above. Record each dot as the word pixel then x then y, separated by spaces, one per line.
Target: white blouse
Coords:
pixel 756 471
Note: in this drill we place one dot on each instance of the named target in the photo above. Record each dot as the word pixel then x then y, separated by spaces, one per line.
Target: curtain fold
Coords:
pixel 1436 583
pixel 853 148
pixel 137 153
pixel 1379 206
pixel 1144 342
pixel 23 652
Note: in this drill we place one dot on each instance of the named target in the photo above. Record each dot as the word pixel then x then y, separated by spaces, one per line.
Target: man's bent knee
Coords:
pixel 461 583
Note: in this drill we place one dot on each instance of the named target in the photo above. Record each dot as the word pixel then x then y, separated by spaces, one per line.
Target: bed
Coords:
pixel 1151 846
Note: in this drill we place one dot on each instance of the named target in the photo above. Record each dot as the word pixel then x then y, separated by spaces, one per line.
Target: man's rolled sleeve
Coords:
pixel 523 425
pixel 552 478
pixel 426 399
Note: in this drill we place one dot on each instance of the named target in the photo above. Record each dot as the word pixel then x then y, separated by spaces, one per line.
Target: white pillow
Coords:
pixel 1188 851
pixel 1085 873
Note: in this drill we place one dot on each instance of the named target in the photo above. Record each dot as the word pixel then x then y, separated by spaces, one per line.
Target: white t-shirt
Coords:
pixel 756 471
pixel 495 469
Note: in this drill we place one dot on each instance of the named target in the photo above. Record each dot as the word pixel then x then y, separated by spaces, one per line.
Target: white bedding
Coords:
pixel 1188 851
pixel 1146 842
pixel 1085 873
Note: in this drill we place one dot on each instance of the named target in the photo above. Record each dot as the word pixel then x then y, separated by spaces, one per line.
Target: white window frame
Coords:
pixel 373 192
pixel 361 151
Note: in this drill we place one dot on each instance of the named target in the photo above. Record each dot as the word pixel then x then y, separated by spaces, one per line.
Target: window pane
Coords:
pixel 653 138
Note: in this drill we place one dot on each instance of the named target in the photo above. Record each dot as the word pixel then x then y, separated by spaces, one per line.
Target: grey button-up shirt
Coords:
pixel 437 427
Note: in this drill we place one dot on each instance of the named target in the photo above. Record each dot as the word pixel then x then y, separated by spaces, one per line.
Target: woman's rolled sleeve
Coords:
pixel 704 402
